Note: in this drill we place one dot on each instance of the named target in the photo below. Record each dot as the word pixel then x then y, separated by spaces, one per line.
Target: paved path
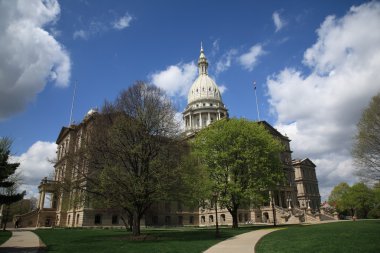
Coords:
pixel 240 244
pixel 23 242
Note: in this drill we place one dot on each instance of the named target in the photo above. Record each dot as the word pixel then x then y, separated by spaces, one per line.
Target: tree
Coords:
pixel 366 149
pixel 356 200
pixel 8 194
pixel 361 199
pixel 336 196
pixel 134 151
pixel 243 162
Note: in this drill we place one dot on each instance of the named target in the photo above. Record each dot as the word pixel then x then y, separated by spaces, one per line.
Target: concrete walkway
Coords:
pixel 240 244
pixel 23 242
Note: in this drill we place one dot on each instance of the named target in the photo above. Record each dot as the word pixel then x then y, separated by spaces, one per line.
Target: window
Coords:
pixel 180 220
pixel 246 217
pixel 98 219
pixel 167 220
pixel 211 219
pixel 191 219
pixel 78 218
pixel 167 207
pixel 210 104
pixel 155 220
pixel 203 219
pixel 115 220
pixel 223 217
pixel 68 220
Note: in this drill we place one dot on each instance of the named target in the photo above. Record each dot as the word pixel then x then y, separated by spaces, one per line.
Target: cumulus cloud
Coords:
pixel 176 80
pixel 35 165
pixel 225 61
pixel 319 109
pixel 249 60
pixel 122 22
pixel 29 55
pixel 279 23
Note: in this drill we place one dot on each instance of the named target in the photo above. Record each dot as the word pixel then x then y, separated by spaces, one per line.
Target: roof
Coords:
pixel 64 131
pixel 273 130
pixel 305 161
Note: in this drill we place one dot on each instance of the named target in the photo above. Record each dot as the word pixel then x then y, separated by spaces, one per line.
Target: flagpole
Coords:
pixel 72 103
pixel 257 104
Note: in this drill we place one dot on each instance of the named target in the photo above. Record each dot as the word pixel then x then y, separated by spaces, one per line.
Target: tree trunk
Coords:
pixel 235 223
pixel 125 222
pixel 136 224
pixel 217 234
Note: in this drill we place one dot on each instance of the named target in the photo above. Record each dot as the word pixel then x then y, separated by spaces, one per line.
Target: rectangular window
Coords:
pixel 115 220
pixel 191 220
pixel 98 219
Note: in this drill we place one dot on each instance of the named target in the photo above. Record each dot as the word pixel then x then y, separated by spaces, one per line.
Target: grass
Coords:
pixel 189 240
pixel 4 236
pixel 360 236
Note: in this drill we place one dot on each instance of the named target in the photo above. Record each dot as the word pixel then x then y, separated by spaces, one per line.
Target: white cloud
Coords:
pixel 81 34
pixel 35 165
pixel 319 110
pixel 222 88
pixel 249 60
pixel 176 79
pixel 225 61
pixel 29 55
pixel 278 21
pixel 99 26
pixel 122 22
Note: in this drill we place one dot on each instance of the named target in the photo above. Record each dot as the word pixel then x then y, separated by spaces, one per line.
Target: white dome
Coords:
pixel 204 88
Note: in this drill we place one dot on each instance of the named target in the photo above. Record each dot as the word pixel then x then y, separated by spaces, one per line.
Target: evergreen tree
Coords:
pixel 6 170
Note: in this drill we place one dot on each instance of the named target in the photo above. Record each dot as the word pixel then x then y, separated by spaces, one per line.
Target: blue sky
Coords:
pixel 314 63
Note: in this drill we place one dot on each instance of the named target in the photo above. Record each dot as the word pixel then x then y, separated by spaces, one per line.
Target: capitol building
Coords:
pixel 295 201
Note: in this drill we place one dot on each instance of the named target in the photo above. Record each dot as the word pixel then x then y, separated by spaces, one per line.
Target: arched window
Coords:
pixel 203 219
pixel 222 217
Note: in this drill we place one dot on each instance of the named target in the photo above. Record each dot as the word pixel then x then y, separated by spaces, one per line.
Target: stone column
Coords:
pixel 209 119
pixel 279 199
pixel 42 200
pixel 191 123
pixel 200 120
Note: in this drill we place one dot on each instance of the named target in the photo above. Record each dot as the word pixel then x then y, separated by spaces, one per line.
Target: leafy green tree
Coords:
pixel 359 199
pixel 336 196
pixel 135 152
pixel 243 162
pixel 366 149
pixel 356 200
pixel 8 194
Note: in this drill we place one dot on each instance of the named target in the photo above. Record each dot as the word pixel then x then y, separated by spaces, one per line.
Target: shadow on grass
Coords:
pixel 170 240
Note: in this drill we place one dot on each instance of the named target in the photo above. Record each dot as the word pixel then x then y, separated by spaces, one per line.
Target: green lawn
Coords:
pixel 4 236
pixel 359 236
pixel 184 240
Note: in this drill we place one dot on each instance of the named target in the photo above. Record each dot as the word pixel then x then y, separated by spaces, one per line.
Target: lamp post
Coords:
pixel 289 203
